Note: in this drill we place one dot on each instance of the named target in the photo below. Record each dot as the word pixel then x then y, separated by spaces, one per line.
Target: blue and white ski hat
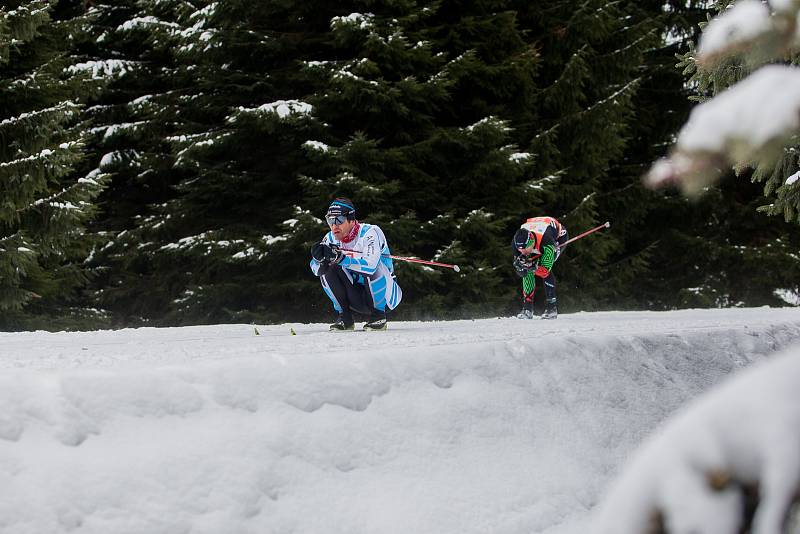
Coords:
pixel 342 207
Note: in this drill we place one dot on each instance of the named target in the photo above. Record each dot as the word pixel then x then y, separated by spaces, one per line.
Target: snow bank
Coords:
pixel 698 473
pixel 499 426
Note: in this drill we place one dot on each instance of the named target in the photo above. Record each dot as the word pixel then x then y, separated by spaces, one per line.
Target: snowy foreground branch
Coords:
pixel 728 463
pixel 751 121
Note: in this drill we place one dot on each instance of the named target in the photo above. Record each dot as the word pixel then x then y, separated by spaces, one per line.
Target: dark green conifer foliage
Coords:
pixel 45 201
pixel 419 105
pixel 222 244
pixel 583 117
pixel 132 120
pixel 747 258
pixel 643 220
pixel 448 123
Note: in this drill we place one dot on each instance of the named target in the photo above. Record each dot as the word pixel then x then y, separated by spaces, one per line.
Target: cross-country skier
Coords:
pixel 537 245
pixel 353 265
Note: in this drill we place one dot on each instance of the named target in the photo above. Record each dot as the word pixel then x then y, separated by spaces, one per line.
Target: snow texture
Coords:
pixel 744 21
pixel 737 125
pixel 109 68
pixel 744 124
pixel 763 107
pixel 281 108
pixel 695 472
pixel 500 425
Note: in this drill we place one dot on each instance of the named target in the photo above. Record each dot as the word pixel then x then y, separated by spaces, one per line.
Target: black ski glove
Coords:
pixel 327 254
pixel 334 255
pixel 522 265
pixel 318 252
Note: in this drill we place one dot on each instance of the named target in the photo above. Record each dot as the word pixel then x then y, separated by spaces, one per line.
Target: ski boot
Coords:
pixel 343 323
pixel 376 322
pixel 525 314
pixel 550 311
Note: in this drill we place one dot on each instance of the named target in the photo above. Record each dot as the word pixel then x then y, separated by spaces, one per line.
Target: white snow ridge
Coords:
pixel 487 426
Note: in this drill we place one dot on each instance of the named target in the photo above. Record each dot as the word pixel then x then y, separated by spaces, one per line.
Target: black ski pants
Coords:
pixel 351 295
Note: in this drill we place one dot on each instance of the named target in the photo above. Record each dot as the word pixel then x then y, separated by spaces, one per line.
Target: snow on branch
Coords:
pixel 359 20
pixel 67 110
pixel 281 108
pixel 488 122
pixel 748 28
pixel 734 30
pixel 51 157
pixel 747 122
pixel 728 463
pixel 103 69
pixel 146 23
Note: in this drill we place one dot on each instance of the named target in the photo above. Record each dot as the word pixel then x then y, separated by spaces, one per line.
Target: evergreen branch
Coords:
pixel 593 107
pixel 24 22
pixel 610 97
pixel 15 235
pixel 583 201
pixel 25 129
pixel 46 155
pixel 66 107
pixel 577 18
pixel 61 200
pixel 632 44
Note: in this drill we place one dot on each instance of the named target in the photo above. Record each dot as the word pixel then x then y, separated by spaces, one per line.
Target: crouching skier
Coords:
pixel 354 268
pixel 537 245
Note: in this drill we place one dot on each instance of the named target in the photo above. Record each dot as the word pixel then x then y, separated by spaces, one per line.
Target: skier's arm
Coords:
pixel 366 262
pixel 315 264
pixel 546 260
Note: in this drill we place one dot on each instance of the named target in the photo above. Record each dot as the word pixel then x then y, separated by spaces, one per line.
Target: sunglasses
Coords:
pixel 336 219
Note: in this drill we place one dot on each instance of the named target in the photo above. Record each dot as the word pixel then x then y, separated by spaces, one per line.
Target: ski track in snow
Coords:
pixel 493 425
pixel 167 346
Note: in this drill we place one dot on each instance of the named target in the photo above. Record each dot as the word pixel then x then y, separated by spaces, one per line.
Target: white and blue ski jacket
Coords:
pixel 367 261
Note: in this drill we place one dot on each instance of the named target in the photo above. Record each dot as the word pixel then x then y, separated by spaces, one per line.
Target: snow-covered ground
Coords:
pixel 497 425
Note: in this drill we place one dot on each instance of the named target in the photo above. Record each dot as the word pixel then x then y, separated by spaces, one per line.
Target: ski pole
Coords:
pixel 587 232
pixel 584 234
pixel 455 268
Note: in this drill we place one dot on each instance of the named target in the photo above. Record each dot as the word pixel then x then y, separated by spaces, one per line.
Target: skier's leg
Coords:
pixel 346 294
pixel 550 310
pixel 528 291
pixel 377 285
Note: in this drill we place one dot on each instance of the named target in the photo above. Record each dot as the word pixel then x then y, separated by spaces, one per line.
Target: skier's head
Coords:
pixel 341 216
pixel 340 210
pixel 524 241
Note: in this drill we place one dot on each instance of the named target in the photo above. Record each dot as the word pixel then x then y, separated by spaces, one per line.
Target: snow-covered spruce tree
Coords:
pixel 128 123
pixel 593 65
pixel 745 77
pixel 45 200
pixel 133 120
pixel 518 120
pixel 230 243
pixel 645 255
pixel 435 170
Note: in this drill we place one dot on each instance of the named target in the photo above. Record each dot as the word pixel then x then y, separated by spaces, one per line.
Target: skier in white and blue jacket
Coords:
pixel 354 267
